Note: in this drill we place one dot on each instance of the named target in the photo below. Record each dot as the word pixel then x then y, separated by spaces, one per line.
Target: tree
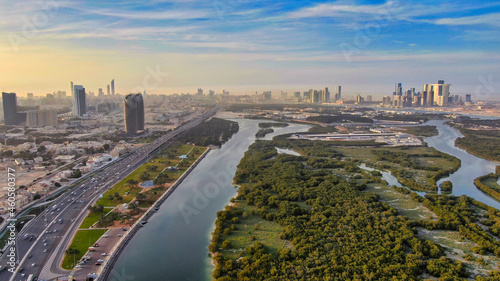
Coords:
pixel 41 149
pixel 145 176
pixel 132 182
pixel 446 186
pixel 106 146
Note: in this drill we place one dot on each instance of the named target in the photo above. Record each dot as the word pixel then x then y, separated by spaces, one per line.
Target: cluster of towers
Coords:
pixel 133 105
pixel 432 95
pixel 320 96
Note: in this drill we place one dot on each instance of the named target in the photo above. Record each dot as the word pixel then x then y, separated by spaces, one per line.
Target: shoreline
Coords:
pixel 118 248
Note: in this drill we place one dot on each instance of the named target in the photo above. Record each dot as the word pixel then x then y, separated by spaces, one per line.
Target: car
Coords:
pixel 79 266
pixel 105 236
pixel 45 250
pixel 120 235
pixel 29 257
pixel 104 254
pixel 33 264
pixel 44 244
pixel 21 269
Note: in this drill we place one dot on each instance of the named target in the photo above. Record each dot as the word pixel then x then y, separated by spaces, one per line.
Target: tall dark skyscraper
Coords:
pixel 133 106
pixel 108 90
pixel 113 87
pixel 10 116
pixel 140 112
pixel 80 102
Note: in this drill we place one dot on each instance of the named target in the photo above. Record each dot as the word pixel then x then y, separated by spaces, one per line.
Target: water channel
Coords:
pixel 174 243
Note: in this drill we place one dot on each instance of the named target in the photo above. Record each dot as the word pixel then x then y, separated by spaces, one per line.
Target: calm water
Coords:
pixel 174 243
pixel 472 166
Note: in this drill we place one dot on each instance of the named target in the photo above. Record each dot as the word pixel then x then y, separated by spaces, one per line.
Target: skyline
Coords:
pixel 244 46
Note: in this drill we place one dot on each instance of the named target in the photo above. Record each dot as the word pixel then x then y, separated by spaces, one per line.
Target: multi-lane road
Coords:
pixel 41 245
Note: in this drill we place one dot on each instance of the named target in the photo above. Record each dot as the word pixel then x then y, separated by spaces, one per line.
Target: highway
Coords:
pixel 42 243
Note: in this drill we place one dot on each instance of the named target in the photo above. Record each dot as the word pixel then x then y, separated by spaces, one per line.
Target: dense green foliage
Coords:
pixel 423 131
pixel 216 131
pixel 482 143
pixel 263 132
pixel 272 124
pixel 479 183
pixel 446 186
pixel 409 161
pixel 336 231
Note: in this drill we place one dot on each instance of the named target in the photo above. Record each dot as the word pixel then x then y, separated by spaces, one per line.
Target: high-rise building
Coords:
pixel 101 92
pixel 386 101
pixel 113 87
pixel 338 93
pixel 316 97
pixel 72 89
pixel 211 93
pixel 133 113
pixel 326 95
pixel 108 91
pixel 200 92
pixel 440 93
pixel 368 98
pixel 80 103
pixel 10 115
pixel 359 99
pixel 140 112
pixel 30 96
pixel 296 94
pixel 468 98
pixel 41 118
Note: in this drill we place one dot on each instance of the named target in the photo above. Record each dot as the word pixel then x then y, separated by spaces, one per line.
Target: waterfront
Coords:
pixel 174 243
pixel 471 168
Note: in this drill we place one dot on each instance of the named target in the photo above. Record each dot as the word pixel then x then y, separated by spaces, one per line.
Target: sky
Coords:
pixel 245 46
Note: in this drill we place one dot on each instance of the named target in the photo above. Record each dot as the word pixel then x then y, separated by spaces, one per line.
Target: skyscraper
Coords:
pixel 10 116
pixel 72 89
pixel 437 94
pixel 326 95
pixel 108 90
pixel 101 92
pixel 80 104
pixel 140 112
pixel 338 93
pixel 133 113
pixel 113 87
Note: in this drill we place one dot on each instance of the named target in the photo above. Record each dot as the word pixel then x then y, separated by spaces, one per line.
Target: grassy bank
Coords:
pixel 81 242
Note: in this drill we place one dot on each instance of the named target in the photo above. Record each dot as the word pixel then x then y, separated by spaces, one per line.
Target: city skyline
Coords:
pixel 172 46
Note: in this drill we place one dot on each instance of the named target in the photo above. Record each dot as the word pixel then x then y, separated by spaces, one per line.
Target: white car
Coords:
pixel 104 254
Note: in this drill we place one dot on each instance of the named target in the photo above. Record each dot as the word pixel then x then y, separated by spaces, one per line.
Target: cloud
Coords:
pixel 492 19
pixel 151 15
pixel 334 10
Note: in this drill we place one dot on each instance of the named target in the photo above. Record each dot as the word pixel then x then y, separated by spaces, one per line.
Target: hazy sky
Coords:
pixel 243 46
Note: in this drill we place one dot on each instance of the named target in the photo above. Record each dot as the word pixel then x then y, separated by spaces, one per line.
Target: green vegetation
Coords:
pixel 321 130
pixel 480 142
pixel 216 131
pixel 325 221
pixel 488 184
pixel 446 186
pixel 263 132
pixel 421 131
pixel 93 217
pixel 79 246
pixel 272 124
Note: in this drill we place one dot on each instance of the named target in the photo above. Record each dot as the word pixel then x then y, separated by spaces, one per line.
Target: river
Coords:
pixel 472 166
pixel 174 243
